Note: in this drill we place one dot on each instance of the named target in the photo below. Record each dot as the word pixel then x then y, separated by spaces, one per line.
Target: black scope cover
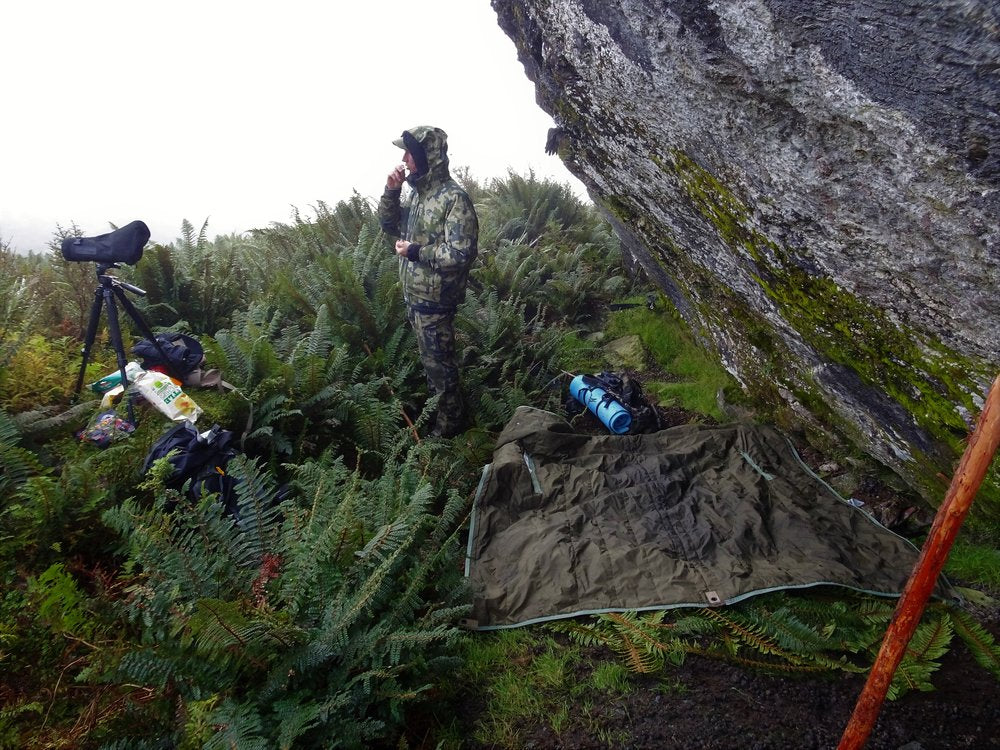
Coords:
pixel 123 245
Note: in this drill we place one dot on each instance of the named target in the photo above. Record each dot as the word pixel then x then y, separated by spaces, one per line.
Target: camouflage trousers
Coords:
pixel 435 334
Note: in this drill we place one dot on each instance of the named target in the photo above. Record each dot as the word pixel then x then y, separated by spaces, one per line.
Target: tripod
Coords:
pixel 108 288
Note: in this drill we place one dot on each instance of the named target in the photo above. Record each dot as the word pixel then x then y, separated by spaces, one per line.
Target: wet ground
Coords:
pixel 716 706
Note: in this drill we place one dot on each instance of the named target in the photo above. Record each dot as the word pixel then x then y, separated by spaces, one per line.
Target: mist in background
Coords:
pixel 238 112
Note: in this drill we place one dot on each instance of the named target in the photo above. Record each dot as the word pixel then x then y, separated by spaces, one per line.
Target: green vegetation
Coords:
pixel 786 633
pixel 330 608
pixel 524 680
pixel 327 616
pixel 697 378
pixel 977 563
pixel 611 677
pixel 527 681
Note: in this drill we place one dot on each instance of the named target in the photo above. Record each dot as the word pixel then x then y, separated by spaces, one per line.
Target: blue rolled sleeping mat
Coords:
pixel 614 416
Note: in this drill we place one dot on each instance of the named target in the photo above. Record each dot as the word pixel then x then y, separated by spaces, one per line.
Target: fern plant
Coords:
pixel 18 308
pixel 68 291
pixel 195 282
pixel 310 391
pixel 338 226
pixel 323 363
pixel 788 634
pixel 305 624
pixel 566 286
pixel 524 209
pixel 16 463
pixel 46 514
pixel 357 284
pixel 507 357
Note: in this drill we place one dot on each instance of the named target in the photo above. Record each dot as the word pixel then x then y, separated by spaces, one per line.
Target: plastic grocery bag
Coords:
pixel 106 428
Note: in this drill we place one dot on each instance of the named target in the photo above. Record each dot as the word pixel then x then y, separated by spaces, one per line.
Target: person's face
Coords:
pixel 411 165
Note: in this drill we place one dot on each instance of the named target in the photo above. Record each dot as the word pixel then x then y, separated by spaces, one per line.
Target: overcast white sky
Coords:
pixel 235 112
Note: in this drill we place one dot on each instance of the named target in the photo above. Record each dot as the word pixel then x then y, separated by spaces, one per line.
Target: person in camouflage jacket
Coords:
pixel 438 233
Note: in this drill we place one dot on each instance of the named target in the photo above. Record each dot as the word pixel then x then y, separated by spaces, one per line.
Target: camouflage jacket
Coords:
pixel 439 216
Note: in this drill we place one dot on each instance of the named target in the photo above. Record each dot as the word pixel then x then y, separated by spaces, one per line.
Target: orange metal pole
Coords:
pixel 964 485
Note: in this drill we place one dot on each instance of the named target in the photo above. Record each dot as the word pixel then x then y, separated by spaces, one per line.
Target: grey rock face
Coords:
pixel 814 186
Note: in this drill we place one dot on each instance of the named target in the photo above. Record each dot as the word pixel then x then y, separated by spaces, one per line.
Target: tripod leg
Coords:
pixel 139 321
pixel 88 342
pixel 116 340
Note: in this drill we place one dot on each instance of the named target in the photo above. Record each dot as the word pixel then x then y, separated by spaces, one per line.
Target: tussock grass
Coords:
pixel 975 563
pixel 524 681
pixel 611 677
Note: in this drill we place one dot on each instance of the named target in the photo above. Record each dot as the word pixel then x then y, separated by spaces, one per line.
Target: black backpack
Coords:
pixel 626 391
pixel 199 459
pixel 177 353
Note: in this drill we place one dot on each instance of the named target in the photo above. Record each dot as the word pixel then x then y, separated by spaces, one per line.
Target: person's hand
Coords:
pixel 395 179
pixel 402 246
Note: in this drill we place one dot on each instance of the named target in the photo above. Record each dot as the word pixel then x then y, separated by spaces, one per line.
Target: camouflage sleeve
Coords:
pixel 461 238
pixel 390 212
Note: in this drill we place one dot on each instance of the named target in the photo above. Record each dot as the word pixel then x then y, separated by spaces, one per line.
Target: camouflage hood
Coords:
pixel 429 147
pixel 439 218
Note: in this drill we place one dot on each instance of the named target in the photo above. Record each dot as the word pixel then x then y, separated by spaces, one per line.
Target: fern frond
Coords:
pixel 642 641
pixel 295 719
pixel 981 643
pixel 260 517
pixel 876 611
pixel 746 631
pixel 237 726
pixel 16 463
pixel 772 667
pixel 931 639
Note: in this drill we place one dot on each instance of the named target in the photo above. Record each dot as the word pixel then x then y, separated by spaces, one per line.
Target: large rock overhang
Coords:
pixel 815 186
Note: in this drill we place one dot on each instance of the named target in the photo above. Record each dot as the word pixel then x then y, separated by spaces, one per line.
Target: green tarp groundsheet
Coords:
pixel 566 524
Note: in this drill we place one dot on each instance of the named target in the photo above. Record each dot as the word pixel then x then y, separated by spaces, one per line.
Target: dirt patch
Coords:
pixel 711 705
pixel 708 705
